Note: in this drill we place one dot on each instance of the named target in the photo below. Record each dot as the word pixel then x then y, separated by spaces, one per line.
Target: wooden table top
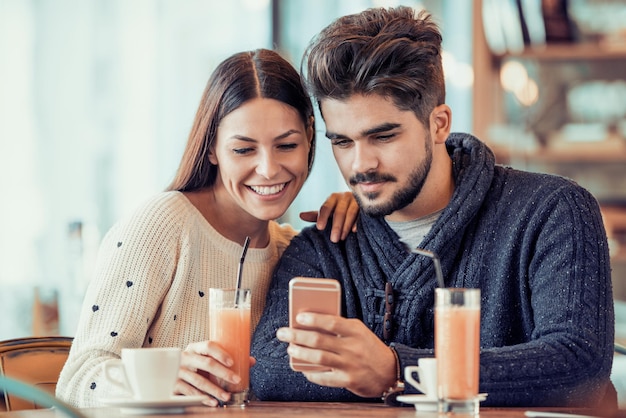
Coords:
pixel 293 409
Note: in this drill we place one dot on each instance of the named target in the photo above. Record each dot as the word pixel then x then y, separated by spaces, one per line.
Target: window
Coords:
pixel 96 101
pixel 97 98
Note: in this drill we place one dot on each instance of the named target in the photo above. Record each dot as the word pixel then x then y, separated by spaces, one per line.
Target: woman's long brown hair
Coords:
pixel 261 73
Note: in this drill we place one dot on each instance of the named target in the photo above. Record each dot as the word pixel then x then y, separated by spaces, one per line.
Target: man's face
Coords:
pixel 384 153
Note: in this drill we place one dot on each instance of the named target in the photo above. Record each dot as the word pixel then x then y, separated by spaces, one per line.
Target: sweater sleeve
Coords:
pixel 564 274
pixel 136 261
pixel 271 378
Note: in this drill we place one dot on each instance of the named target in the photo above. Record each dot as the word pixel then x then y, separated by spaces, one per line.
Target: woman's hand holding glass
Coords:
pixel 201 363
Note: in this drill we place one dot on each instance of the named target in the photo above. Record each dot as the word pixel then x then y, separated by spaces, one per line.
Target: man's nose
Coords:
pixel 364 159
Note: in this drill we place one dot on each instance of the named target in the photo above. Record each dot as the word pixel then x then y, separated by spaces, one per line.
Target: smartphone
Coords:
pixel 307 294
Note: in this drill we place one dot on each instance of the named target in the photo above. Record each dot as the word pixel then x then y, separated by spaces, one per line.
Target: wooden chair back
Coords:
pixel 34 360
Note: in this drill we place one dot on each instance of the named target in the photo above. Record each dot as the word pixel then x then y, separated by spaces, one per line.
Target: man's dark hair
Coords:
pixel 394 52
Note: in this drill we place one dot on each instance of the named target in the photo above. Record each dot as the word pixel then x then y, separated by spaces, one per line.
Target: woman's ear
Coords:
pixel 212 157
pixel 310 129
pixel 440 122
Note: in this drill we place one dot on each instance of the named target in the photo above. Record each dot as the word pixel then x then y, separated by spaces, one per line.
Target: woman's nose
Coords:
pixel 268 165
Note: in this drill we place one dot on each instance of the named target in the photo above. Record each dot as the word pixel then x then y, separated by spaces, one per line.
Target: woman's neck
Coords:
pixel 227 218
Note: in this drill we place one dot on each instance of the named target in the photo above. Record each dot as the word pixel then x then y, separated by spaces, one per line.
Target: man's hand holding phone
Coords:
pixel 334 351
pixel 312 295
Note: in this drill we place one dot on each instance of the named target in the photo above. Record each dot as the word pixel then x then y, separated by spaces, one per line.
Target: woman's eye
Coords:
pixel 242 151
pixel 287 147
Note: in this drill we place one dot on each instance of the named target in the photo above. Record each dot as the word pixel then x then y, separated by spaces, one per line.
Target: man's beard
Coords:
pixel 401 198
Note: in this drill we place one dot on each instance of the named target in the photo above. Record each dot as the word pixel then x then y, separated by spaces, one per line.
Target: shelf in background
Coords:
pixel 591 152
pixel 615 224
pixel 572 51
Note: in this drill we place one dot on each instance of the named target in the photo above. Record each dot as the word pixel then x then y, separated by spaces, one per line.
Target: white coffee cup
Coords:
pixel 148 373
pixel 426 370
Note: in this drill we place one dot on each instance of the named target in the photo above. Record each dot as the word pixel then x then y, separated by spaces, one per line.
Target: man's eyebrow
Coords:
pixel 384 127
pixel 380 128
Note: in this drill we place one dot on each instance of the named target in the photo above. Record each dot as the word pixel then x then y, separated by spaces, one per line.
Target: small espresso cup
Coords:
pixel 426 370
pixel 148 373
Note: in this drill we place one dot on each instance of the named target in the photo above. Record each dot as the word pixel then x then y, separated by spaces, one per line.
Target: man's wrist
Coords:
pixel 397 388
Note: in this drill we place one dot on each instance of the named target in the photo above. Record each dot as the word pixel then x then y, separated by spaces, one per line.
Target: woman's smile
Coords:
pixel 268 190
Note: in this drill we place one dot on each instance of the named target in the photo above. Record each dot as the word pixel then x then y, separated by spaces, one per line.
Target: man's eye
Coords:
pixel 384 138
pixel 340 143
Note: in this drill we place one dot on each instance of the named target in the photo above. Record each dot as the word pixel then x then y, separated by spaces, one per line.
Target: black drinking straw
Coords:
pixel 435 258
pixel 240 269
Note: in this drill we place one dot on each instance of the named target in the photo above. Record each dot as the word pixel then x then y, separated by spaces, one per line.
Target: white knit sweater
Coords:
pixel 151 288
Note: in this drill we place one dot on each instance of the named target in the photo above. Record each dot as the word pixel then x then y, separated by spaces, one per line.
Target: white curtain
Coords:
pixel 96 101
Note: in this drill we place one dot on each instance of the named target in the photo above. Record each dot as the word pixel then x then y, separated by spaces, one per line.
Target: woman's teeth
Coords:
pixel 267 190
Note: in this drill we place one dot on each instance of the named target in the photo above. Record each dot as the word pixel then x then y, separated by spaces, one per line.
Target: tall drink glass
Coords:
pixel 457 342
pixel 229 326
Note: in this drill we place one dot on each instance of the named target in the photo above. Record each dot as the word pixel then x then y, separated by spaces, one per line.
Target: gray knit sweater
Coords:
pixel 533 243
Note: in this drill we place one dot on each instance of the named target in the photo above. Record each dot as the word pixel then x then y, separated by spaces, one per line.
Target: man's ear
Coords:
pixel 440 122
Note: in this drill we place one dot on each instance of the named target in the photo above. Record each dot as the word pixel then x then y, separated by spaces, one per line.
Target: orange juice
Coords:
pixel 457 334
pixel 230 328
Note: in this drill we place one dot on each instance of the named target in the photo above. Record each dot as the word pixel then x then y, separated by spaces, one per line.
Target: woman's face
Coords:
pixel 261 152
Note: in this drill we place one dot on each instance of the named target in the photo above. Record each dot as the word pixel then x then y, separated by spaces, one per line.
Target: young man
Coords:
pixel 533 243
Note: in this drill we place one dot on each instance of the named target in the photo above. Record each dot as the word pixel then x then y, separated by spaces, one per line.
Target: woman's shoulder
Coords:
pixel 156 216
pixel 282 234
pixel 163 207
pixel 165 201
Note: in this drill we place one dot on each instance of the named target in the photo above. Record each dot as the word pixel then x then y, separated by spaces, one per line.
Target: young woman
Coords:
pixel 249 152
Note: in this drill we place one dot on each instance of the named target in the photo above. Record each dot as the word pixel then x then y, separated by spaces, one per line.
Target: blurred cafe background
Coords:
pixel 97 98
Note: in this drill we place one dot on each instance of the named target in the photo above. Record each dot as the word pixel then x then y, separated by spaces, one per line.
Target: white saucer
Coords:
pixel 426 403
pixel 174 405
